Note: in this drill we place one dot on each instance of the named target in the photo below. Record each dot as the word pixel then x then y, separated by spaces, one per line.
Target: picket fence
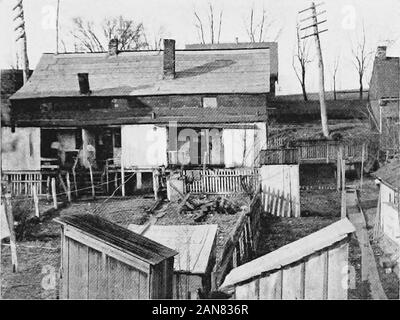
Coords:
pixel 221 181
pixel 278 203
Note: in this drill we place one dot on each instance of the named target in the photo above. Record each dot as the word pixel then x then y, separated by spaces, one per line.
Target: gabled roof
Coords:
pixel 389 174
pixel 194 244
pixel 139 73
pixel 290 253
pixel 118 237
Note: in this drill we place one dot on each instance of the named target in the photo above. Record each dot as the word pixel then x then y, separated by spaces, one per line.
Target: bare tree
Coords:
pixel 212 24
pixel 257 31
pixel 361 60
pixel 334 74
pixel 131 36
pixel 301 60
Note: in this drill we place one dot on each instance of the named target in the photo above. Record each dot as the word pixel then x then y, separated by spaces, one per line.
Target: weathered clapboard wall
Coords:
pixel 314 267
pixel 242 243
pixel 101 260
pixel 221 181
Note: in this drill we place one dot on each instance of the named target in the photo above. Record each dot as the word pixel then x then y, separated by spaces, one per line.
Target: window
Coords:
pixel 117 138
pixel 78 139
pixel 209 102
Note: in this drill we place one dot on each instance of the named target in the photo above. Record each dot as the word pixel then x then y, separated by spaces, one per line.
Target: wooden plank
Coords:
pixel 271 286
pixel 338 277
pixel 65 266
pixel 36 202
pixel 54 193
pixel 291 283
pixel 314 277
pixel 78 270
pixel 13 242
pixel 97 275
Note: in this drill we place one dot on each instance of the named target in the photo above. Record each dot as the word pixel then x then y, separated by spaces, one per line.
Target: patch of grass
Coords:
pixel 277 232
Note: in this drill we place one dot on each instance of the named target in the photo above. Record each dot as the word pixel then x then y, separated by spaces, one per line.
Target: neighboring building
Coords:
pixel 384 98
pixel 388 222
pixel 145 109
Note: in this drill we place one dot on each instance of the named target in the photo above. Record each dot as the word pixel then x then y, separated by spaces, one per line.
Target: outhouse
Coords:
pixel 101 260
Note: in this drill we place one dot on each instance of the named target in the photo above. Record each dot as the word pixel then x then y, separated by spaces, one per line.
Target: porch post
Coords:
pixel 138 180
pixel 123 178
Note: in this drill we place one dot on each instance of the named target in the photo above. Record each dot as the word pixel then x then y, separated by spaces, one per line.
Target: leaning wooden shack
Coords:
pixel 101 260
pixel 314 267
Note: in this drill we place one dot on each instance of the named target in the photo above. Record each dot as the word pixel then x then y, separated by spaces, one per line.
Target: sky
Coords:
pixel 345 21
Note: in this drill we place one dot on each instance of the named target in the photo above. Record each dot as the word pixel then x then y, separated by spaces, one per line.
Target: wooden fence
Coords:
pixel 22 183
pixel 317 152
pixel 221 181
pixel 243 242
pixel 278 203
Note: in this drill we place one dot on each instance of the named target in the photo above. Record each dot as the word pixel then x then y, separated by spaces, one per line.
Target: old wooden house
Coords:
pixel 384 99
pixel 130 112
pixel 387 228
pixel 101 260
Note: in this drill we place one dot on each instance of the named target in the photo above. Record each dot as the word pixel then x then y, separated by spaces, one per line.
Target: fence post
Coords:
pixel 122 179
pixel 68 187
pixel 53 192
pixel 48 195
pixel 36 202
pixel 362 166
pixel 91 180
pixel 10 220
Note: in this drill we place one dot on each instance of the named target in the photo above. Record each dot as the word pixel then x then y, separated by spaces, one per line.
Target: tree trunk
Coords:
pixel 303 88
pixel 361 89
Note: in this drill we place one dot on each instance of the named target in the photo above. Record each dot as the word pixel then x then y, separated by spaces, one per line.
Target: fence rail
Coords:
pixel 325 152
pixel 221 181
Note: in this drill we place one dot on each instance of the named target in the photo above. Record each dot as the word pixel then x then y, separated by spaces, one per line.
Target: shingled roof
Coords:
pixel 390 174
pixel 139 73
pixel 119 237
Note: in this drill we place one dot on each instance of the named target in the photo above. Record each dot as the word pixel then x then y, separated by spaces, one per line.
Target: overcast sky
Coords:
pixel 175 18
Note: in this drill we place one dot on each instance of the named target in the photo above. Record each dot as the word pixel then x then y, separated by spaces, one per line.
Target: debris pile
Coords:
pixel 200 208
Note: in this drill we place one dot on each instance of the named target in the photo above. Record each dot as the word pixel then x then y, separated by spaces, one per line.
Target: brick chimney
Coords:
pixel 83 79
pixel 381 52
pixel 113 47
pixel 169 59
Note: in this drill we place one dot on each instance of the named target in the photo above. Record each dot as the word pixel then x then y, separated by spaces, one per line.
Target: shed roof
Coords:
pixel 389 174
pixel 193 242
pixel 139 73
pixel 290 253
pixel 118 237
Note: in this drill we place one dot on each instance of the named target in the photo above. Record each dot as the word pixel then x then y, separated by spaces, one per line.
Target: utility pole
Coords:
pixel 20 29
pixel 315 34
pixel 57 25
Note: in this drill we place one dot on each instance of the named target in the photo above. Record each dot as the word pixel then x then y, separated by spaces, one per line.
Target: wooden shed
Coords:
pixel 313 267
pixel 196 247
pixel 101 260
